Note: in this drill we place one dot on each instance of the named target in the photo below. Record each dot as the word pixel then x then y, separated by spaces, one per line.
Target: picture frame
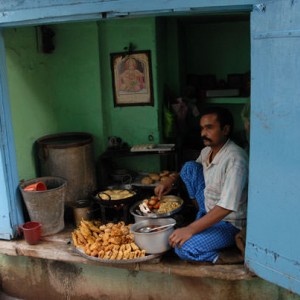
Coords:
pixel 132 78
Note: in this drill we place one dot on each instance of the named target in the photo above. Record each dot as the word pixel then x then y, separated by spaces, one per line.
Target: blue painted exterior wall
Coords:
pixel 272 243
pixel 273 220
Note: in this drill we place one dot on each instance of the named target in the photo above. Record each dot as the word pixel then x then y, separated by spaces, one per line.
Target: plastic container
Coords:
pixel 46 207
pixel 32 232
pixel 39 186
pixel 69 155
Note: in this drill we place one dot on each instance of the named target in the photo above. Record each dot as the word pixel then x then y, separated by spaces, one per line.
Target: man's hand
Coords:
pixel 163 188
pixel 180 236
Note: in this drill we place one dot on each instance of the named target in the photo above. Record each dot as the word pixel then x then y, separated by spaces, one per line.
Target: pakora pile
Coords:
pixel 110 241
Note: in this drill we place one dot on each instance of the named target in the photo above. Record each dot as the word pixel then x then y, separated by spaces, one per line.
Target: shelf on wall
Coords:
pixel 228 100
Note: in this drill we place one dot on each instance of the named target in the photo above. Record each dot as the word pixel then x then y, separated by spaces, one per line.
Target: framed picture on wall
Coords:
pixel 132 78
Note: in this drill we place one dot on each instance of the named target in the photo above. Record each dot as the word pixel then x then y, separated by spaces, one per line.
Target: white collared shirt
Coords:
pixel 226 181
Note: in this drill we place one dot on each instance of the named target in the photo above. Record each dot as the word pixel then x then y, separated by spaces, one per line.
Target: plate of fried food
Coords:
pixel 108 243
pixel 154 208
pixel 153 179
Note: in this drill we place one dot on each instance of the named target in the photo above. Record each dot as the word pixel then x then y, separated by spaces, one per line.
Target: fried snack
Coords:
pixel 115 240
pixel 137 253
pixel 107 255
pixel 108 248
pixel 94 253
pixel 80 238
pixel 164 173
pixel 146 180
pixel 74 238
pixel 134 246
pixel 163 178
pixel 122 248
pixel 116 247
pixel 116 231
pixel 114 254
pixel 125 230
pixel 94 246
pixel 120 255
pixel 154 176
pixel 109 242
pixel 101 253
pixel 85 231
pixel 126 254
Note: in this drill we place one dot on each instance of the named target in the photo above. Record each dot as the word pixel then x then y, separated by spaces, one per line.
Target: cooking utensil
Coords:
pixel 105 199
pixel 153 242
pixel 139 216
pixel 157 228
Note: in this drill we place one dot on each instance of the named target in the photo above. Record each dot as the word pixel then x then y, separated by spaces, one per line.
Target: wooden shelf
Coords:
pixel 228 100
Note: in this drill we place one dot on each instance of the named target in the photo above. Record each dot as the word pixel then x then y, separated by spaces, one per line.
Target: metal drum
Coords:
pixel 69 155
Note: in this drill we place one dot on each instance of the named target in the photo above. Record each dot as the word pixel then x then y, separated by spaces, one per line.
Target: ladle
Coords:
pixel 148 229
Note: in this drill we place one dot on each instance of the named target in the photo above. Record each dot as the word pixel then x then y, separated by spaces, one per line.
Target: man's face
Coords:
pixel 211 132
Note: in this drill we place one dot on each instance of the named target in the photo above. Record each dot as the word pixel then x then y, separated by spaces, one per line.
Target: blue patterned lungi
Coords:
pixel 205 245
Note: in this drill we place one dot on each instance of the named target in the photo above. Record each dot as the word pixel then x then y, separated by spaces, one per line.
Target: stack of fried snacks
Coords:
pixel 110 241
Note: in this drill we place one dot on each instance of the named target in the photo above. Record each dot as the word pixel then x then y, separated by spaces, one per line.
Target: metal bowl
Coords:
pixel 153 242
pixel 139 216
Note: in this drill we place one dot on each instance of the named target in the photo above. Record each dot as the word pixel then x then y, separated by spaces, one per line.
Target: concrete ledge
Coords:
pixel 58 247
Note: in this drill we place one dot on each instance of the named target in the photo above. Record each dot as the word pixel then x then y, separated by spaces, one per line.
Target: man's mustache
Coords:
pixel 204 138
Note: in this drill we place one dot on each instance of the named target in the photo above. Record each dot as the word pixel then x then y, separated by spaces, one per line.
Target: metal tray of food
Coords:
pixel 134 210
pixel 137 181
pixel 145 258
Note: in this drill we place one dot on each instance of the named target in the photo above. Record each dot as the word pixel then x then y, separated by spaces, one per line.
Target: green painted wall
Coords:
pixel 75 80
pixel 52 93
pixel 30 95
pixel 66 91
pixel 133 123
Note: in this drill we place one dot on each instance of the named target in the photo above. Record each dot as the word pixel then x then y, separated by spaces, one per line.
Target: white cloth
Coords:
pixel 226 181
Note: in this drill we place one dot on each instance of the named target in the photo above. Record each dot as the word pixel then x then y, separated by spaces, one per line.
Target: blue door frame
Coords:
pixel 10 204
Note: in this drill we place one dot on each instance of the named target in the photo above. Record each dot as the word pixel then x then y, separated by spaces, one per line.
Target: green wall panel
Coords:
pixel 30 94
pixel 71 88
pixel 132 123
pixel 52 93
pixel 75 80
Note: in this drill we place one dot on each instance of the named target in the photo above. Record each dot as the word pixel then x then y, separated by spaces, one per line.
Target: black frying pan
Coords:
pixel 105 199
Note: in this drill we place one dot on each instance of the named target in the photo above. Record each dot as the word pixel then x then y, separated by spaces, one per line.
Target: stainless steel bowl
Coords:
pixel 153 242
pixel 139 216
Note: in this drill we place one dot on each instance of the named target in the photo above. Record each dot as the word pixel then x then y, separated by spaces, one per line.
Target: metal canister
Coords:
pixel 81 211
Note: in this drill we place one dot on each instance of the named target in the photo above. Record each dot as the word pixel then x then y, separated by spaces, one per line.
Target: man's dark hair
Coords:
pixel 223 114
